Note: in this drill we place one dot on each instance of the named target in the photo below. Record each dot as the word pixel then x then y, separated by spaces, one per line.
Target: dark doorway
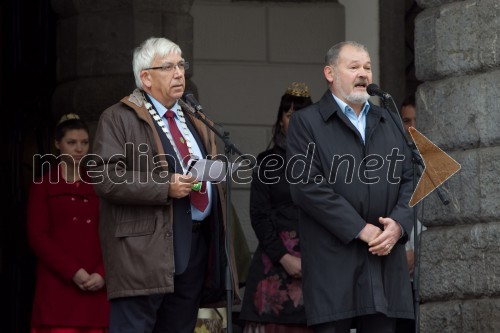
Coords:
pixel 27 81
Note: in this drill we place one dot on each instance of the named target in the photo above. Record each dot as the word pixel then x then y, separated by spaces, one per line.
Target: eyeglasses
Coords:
pixel 168 67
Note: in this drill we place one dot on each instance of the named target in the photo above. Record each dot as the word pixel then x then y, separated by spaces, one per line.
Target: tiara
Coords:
pixel 68 116
pixel 298 89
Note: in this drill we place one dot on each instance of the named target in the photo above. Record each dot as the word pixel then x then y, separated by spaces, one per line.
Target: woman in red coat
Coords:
pixel 63 218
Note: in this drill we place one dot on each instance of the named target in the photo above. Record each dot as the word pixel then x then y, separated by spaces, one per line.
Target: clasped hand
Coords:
pixel 292 265
pixel 88 282
pixel 381 242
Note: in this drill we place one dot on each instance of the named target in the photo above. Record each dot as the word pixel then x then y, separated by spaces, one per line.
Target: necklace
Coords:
pixel 184 129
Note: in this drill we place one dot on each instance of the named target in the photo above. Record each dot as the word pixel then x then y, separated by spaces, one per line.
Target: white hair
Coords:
pixel 145 54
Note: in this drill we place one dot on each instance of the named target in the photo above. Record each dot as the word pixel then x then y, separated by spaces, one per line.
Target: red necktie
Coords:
pixel 199 199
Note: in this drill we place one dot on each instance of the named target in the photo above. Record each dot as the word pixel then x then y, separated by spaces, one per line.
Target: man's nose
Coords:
pixel 178 71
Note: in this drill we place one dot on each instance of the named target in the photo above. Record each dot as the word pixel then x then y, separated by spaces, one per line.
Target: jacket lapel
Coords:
pixel 328 107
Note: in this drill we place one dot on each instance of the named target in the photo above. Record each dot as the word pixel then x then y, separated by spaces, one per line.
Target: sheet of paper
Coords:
pixel 211 170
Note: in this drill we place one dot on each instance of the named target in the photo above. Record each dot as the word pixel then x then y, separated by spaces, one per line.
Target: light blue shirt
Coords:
pixel 196 214
pixel 358 121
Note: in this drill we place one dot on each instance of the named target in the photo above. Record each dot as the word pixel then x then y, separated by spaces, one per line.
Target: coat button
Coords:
pixel 169 234
pixel 73 199
pixel 75 218
pixel 89 220
pixel 85 200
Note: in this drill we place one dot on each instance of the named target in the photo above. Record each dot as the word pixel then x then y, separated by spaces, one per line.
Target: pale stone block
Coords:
pixel 229 31
pixel 433 3
pixel 250 93
pixel 461 316
pixel 299 32
pixel 470 252
pixel 456 39
pixel 248 139
pixel 460 112
pixel 473 191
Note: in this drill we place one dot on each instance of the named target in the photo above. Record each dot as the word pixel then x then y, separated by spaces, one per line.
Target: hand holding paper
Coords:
pixel 210 170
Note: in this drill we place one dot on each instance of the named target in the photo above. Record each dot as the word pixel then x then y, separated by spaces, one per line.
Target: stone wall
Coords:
pixel 458 106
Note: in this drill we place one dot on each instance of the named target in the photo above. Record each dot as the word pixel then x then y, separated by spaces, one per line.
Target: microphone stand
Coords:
pixel 229 149
pixel 418 163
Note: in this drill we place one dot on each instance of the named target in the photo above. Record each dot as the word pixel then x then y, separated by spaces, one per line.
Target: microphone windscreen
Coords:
pixel 372 89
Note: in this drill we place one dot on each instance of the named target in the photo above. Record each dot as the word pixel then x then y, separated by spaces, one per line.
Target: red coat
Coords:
pixel 63 223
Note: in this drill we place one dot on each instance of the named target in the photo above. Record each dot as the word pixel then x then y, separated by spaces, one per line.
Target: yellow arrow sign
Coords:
pixel 439 166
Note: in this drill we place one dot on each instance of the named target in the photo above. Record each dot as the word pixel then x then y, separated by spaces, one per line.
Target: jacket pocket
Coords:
pixel 146 226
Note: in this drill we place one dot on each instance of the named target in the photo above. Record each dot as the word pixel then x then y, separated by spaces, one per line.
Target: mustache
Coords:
pixel 360 82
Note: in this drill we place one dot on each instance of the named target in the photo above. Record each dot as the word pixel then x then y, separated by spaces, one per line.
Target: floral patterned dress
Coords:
pixel 271 294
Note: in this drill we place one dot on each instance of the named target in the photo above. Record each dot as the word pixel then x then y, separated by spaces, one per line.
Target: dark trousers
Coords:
pixel 166 313
pixel 376 323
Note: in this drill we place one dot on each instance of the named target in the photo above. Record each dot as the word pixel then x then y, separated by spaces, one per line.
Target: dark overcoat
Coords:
pixel 341 183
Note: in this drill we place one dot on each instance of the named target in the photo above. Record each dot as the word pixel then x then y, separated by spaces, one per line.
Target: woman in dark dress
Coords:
pixel 273 296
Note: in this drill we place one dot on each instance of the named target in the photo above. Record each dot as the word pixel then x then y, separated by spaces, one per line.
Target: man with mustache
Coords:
pixel 353 192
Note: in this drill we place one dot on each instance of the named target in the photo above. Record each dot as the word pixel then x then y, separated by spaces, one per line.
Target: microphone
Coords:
pixel 188 97
pixel 374 90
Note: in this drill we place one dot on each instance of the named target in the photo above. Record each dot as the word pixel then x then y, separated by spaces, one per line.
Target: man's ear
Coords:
pixel 146 78
pixel 329 74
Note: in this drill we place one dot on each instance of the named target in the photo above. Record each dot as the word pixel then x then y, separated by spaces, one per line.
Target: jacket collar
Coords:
pixel 136 102
pixel 328 107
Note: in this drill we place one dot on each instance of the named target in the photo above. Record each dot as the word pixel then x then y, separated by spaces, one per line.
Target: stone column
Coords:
pixel 457 49
pixel 95 42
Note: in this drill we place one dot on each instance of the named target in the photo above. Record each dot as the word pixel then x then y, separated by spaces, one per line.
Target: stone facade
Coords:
pixel 458 56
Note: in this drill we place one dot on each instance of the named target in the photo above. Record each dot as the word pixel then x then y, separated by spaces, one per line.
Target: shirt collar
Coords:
pixel 344 107
pixel 161 109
